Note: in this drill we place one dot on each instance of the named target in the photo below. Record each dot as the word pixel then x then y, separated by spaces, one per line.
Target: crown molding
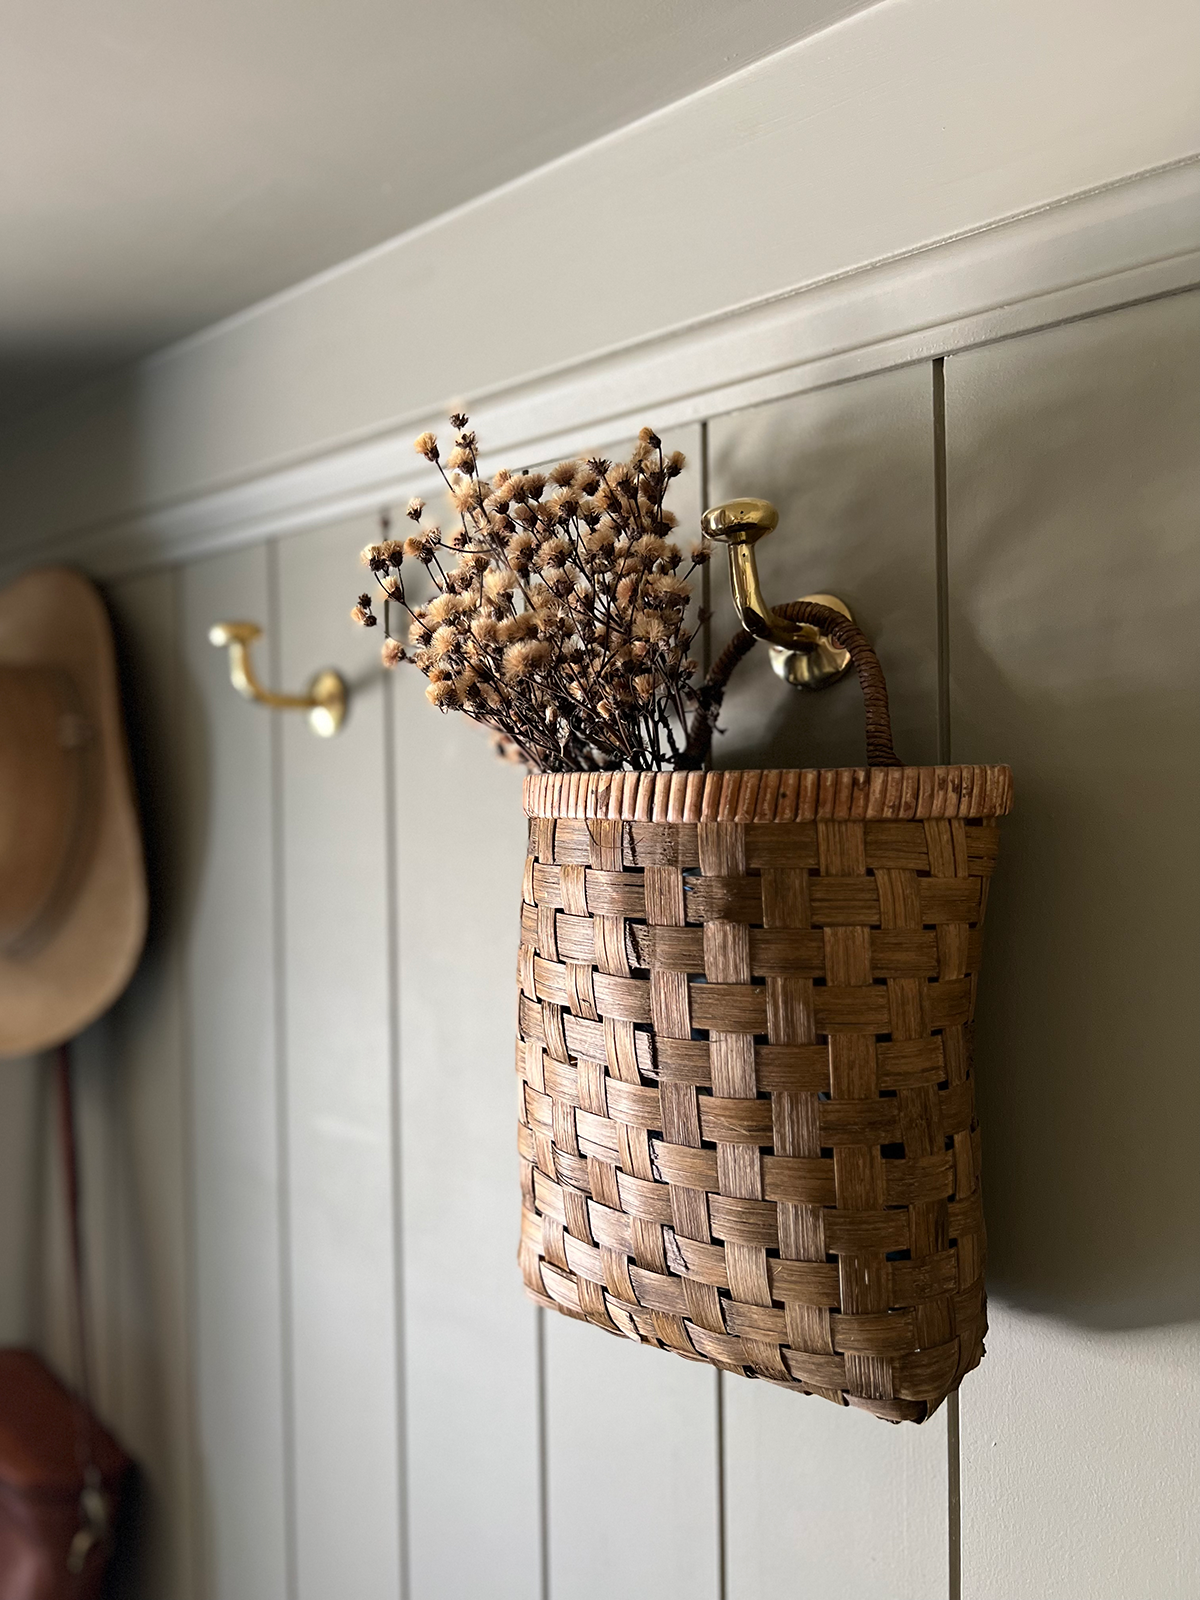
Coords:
pixel 1133 241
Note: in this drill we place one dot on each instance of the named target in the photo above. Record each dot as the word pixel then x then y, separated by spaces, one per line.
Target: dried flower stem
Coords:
pixel 560 619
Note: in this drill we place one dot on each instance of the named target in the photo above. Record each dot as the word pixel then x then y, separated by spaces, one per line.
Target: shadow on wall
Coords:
pixel 60 405
pixel 169 748
pixel 130 1094
pixel 1074 579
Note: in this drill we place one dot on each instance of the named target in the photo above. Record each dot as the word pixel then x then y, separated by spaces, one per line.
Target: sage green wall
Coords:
pixel 299 1124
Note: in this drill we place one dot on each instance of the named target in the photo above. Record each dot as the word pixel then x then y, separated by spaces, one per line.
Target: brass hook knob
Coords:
pixel 800 653
pixel 325 700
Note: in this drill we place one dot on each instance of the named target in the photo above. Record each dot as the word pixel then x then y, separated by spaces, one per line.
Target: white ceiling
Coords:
pixel 166 162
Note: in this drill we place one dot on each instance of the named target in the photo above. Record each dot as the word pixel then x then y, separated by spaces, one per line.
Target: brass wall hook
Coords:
pixel 800 653
pixel 325 700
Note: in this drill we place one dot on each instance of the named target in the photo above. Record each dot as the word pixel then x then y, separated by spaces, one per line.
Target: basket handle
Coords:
pixel 880 751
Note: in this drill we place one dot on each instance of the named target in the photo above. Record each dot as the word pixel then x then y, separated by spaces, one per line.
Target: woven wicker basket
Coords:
pixel 747 1128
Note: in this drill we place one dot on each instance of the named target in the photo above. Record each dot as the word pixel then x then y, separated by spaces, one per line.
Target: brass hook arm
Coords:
pixel 801 654
pixel 740 524
pixel 325 700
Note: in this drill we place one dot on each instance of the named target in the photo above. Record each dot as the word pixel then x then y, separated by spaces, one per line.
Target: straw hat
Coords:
pixel 72 882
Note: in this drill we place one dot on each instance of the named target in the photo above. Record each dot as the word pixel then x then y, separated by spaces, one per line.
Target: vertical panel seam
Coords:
pixel 706 569
pixel 543 1455
pixel 944 746
pixel 722 1528
pixel 941 557
pixel 394 1001
pixel 199 1565
pixel 953 1499
pixel 720 1465
pixel 283 1166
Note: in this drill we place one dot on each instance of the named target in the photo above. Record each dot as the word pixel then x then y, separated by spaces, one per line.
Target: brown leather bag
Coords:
pixel 62 1474
pixel 56 1513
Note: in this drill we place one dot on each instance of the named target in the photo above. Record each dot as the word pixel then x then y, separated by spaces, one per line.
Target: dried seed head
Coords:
pixel 440 608
pixel 553 553
pixel 522 626
pixel 499 581
pixel 445 639
pixel 520 660
pixel 671 593
pixel 649 627
pixel 650 548
pixel 467 495
pixel 519 551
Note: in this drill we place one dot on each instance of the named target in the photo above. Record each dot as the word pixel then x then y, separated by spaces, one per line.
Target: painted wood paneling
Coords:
pixel 19 1188
pixel 632 1457
pixel 818 1497
pixel 851 471
pixel 148 1321
pixel 340 1113
pixel 1081 1460
pixel 1075 575
pixel 239 1109
pixel 827 1500
pixel 470 1345
pixel 242 1348
pixel 608 1407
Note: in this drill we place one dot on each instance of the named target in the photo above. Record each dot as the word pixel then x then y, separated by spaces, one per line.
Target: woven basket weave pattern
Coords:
pixel 747 1130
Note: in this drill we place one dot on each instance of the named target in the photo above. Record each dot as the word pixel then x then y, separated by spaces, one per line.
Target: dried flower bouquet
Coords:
pixel 562 618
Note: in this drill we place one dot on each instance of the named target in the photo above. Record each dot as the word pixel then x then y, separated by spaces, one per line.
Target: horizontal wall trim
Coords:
pixel 1131 241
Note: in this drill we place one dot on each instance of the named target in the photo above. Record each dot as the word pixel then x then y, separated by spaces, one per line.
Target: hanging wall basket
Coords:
pixel 747 1126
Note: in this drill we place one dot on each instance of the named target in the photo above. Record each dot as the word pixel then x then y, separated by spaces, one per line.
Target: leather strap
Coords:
pixel 880 752
pixel 94 1510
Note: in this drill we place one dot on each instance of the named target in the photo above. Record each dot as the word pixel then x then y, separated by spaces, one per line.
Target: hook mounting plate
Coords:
pixel 817 668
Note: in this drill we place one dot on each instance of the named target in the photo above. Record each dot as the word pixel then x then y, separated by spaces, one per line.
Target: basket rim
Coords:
pixel 810 794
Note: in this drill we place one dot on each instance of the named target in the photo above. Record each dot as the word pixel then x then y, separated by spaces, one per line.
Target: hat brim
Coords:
pixel 54 617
